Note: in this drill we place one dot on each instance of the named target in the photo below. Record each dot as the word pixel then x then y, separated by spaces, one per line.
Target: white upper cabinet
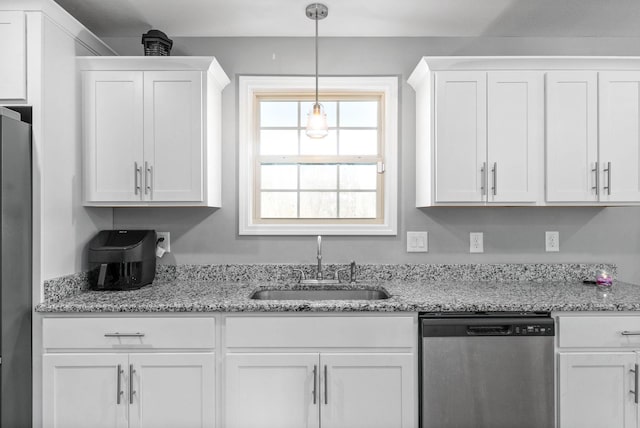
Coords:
pixel 152 131
pixel 619 143
pixel 572 136
pixel 515 127
pixel 13 56
pixel 488 141
pixel 461 137
pixel 593 137
pixel 527 131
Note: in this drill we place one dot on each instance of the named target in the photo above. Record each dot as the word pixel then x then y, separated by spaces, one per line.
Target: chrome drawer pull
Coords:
pixel 116 334
pixel 630 333
pixel 597 181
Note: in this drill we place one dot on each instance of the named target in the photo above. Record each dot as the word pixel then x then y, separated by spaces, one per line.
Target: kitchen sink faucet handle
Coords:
pixel 352 276
pixel 302 275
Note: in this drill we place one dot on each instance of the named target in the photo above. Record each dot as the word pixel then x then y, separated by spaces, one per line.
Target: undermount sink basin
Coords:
pixel 321 294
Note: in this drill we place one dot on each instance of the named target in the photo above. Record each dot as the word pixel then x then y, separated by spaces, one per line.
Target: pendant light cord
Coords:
pixel 316 54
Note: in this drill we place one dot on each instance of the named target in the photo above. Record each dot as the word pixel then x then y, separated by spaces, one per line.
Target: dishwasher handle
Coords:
pixel 489 330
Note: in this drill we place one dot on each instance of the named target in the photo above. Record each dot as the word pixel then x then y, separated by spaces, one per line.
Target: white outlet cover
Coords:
pixel 166 244
pixel 476 242
pixel 417 242
pixel 552 242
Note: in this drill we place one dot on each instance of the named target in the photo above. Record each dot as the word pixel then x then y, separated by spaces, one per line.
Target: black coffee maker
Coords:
pixel 122 259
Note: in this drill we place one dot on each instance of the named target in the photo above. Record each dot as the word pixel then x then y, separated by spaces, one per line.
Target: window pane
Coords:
pixel 278 142
pixel 330 108
pixel 279 177
pixel 317 147
pixel 359 113
pixel 278 205
pixel 318 177
pixel 278 113
pixel 318 205
pixel 362 142
pixel 358 177
pixel 357 205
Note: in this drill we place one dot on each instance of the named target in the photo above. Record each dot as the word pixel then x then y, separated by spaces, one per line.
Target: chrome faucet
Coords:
pixel 319 272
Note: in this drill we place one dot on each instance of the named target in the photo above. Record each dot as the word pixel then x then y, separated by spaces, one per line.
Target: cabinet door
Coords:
pixel 367 391
pixel 13 56
pixel 173 136
pixel 461 136
pixel 619 102
pixel 515 120
pixel 595 390
pixel 113 135
pixel 272 390
pixel 171 390
pixel 571 133
pixel 84 390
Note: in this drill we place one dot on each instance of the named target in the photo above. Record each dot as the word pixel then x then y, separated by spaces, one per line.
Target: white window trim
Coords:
pixel 249 86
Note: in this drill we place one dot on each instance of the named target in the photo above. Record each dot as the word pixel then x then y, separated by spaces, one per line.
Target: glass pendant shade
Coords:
pixel 317 125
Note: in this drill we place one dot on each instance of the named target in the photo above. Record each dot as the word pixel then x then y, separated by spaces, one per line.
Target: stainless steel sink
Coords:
pixel 321 294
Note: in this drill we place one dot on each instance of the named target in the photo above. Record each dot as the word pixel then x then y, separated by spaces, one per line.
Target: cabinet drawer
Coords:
pixel 110 333
pixel 314 332
pixel 599 332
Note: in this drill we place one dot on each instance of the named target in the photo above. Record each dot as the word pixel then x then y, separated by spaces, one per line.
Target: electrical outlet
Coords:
pixel 476 244
pixel 552 241
pixel 166 244
pixel 417 242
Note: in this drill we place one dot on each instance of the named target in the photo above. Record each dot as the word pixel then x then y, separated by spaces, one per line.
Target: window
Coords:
pixel 344 184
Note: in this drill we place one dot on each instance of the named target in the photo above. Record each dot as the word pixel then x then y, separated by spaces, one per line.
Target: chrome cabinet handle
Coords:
pixel 326 383
pixel 119 384
pixel 147 180
pixel 608 186
pixel 597 179
pixel 495 178
pixel 635 377
pixel 131 391
pixel 630 333
pixel 116 334
pixel 483 179
pixel 137 170
pixel 315 382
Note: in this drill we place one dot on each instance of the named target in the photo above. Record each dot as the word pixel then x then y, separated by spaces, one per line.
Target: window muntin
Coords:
pixel 337 179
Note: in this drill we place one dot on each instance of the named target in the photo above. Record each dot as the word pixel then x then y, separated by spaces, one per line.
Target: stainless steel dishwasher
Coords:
pixel 487 370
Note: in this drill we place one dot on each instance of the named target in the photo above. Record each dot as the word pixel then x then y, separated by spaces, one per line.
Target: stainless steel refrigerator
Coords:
pixel 15 266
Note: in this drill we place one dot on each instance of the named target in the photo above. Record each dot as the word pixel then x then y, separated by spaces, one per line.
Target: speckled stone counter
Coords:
pixel 189 295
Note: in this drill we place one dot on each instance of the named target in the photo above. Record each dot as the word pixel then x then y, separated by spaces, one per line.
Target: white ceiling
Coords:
pixel 365 18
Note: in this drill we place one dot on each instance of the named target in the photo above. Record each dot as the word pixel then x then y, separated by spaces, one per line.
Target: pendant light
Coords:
pixel 317 126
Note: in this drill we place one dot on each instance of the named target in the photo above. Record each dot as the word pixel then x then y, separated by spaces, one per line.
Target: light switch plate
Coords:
pixel 417 242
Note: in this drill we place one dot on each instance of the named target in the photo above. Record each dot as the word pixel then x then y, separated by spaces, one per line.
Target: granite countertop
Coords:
pixel 406 296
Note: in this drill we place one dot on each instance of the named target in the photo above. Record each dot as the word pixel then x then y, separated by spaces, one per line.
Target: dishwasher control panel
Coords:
pixel 445 325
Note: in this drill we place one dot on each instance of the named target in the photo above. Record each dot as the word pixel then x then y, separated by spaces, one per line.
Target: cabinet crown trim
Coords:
pixel 156 63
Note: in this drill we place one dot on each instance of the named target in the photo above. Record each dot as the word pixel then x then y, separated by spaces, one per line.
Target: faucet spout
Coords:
pixel 319 272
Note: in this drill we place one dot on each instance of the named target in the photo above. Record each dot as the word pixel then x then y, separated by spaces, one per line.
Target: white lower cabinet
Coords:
pixel 330 390
pixel 320 372
pixel 129 390
pixel 129 372
pixel 597 389
pixel 83 390
pixel 598 358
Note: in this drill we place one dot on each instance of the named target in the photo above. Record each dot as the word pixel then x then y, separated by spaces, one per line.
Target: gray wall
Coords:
pixel 201 235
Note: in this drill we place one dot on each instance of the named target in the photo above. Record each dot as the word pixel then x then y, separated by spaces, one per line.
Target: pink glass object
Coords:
pixel 603 278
